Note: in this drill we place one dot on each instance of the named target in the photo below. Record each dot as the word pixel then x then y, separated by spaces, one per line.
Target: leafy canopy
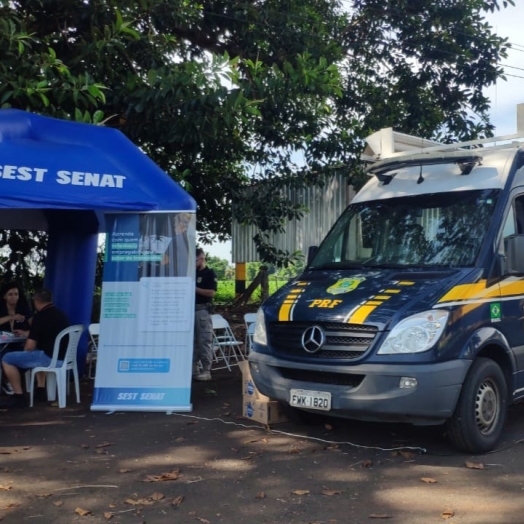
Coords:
pixel 224 93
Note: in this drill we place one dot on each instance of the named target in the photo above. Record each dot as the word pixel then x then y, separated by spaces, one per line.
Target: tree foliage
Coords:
pixel 222 93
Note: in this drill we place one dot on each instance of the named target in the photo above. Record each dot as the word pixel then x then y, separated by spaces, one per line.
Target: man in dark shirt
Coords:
pixel 206 286
pixel 48 322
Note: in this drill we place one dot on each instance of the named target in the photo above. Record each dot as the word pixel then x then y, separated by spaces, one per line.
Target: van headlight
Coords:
pixel 415 334
pixel 260 335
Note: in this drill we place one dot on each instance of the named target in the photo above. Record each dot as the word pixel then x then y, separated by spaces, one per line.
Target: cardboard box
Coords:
pixel 263 411
pixel 248 385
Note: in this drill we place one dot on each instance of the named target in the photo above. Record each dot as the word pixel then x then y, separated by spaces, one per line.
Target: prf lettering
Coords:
pixel 325 303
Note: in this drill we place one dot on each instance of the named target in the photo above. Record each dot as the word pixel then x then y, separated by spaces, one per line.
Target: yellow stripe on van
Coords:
pixel 284 313
pixel 393 291
pixel 467 291
pixel 381 297
pixel 515 287
pixel 374 302
pixel 360 315
pixel 406 283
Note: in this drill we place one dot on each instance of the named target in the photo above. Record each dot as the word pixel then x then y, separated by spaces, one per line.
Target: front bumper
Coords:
pixel 377 397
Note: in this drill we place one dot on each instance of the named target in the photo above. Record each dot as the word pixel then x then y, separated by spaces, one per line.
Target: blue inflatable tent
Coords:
pixel 63 177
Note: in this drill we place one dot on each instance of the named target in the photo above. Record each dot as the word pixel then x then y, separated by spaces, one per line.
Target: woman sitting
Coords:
pixel 15 317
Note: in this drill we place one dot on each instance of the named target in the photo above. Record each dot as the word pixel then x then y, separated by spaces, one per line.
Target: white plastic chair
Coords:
pixel 225 344
pixel 57 374
pixel 249 320
pixel 94 332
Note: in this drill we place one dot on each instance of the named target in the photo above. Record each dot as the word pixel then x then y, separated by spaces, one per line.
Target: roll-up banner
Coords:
pixel 145 346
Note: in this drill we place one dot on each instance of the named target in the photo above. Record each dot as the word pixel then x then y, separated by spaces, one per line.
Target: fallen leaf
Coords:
pixel 204 521
pixel 177 501
pixel 331 492
pixel 261 495
pixel 180 439
pixel 132 502
pixel 108 515
pixel 85 446
pixel 474 465
pixel 447 514
pixel 11 505
pixel 173 475
pixel 157 496
pixel 82 512
pixel 101 451
pixel 58 503
pixel 300 491
pixel 294 450
pixel 43 495
pixel 366 463
pixel 104 445
pixel 428 480
pixel 5 488
pixel 407 454
pixel 379 516
pixel 123 470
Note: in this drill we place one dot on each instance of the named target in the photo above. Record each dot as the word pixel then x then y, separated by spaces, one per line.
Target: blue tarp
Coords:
pixel 46 163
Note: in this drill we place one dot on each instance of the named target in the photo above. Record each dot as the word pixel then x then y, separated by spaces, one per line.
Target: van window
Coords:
pixel 440 229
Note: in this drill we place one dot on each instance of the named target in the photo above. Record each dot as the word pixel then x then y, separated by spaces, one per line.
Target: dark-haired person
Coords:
pixel 48 322
pixel 206 287
pixel 15 316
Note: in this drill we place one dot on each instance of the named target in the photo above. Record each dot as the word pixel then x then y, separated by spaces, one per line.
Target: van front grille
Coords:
pixel 342 341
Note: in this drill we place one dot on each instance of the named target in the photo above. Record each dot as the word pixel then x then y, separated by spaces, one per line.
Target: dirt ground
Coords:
pixel 212 466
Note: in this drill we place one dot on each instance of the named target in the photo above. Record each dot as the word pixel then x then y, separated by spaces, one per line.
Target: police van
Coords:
pixel 412 308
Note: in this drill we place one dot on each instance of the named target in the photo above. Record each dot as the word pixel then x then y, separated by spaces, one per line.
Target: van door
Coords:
pixel 512 292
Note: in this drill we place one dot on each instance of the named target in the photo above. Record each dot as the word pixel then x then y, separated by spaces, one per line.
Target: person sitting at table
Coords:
pixel 47 323
pixel 15 314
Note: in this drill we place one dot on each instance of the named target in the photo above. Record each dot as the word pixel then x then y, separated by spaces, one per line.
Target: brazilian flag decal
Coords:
pixel 495 311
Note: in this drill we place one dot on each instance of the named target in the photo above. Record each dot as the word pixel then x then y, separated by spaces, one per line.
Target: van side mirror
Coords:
pixel 312 250
pixel 514 247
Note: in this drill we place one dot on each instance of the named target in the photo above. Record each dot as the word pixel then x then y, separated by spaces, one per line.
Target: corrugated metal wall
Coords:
pixel 325 205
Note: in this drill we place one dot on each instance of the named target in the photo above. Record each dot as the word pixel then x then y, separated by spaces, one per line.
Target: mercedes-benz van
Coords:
pixel 412 308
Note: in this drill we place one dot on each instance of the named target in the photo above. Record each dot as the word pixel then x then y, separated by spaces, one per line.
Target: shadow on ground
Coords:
pixel 212 466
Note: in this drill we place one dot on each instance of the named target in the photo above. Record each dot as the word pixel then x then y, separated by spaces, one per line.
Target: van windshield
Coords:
pixel 440 229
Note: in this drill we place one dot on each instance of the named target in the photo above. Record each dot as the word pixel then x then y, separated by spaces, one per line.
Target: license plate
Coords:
pixel 303 398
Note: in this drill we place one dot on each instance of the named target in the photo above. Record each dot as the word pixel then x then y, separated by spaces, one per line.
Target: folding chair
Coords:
pixel 225 344
pixel 249 320
pixel 57 374
pixel 249 336
pixel 92 353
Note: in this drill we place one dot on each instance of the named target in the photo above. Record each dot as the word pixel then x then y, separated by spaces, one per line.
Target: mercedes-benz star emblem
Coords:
pixel 313 339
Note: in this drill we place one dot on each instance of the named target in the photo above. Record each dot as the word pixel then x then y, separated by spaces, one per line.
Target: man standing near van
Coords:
pixel 206 287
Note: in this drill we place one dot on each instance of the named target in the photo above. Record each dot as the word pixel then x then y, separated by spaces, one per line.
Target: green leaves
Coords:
pixel 225 94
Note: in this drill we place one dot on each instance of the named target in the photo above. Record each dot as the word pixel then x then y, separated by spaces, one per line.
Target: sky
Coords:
pixel 504 96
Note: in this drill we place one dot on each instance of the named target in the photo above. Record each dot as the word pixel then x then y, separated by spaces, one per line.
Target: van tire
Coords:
pixel 302 417
pixel 480 414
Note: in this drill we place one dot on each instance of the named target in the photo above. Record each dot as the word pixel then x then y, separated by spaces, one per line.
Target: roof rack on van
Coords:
pixel 465 159
pixel 400 148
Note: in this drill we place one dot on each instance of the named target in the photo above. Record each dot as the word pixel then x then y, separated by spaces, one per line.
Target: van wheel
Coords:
pixel 301 417
pixel 480 414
